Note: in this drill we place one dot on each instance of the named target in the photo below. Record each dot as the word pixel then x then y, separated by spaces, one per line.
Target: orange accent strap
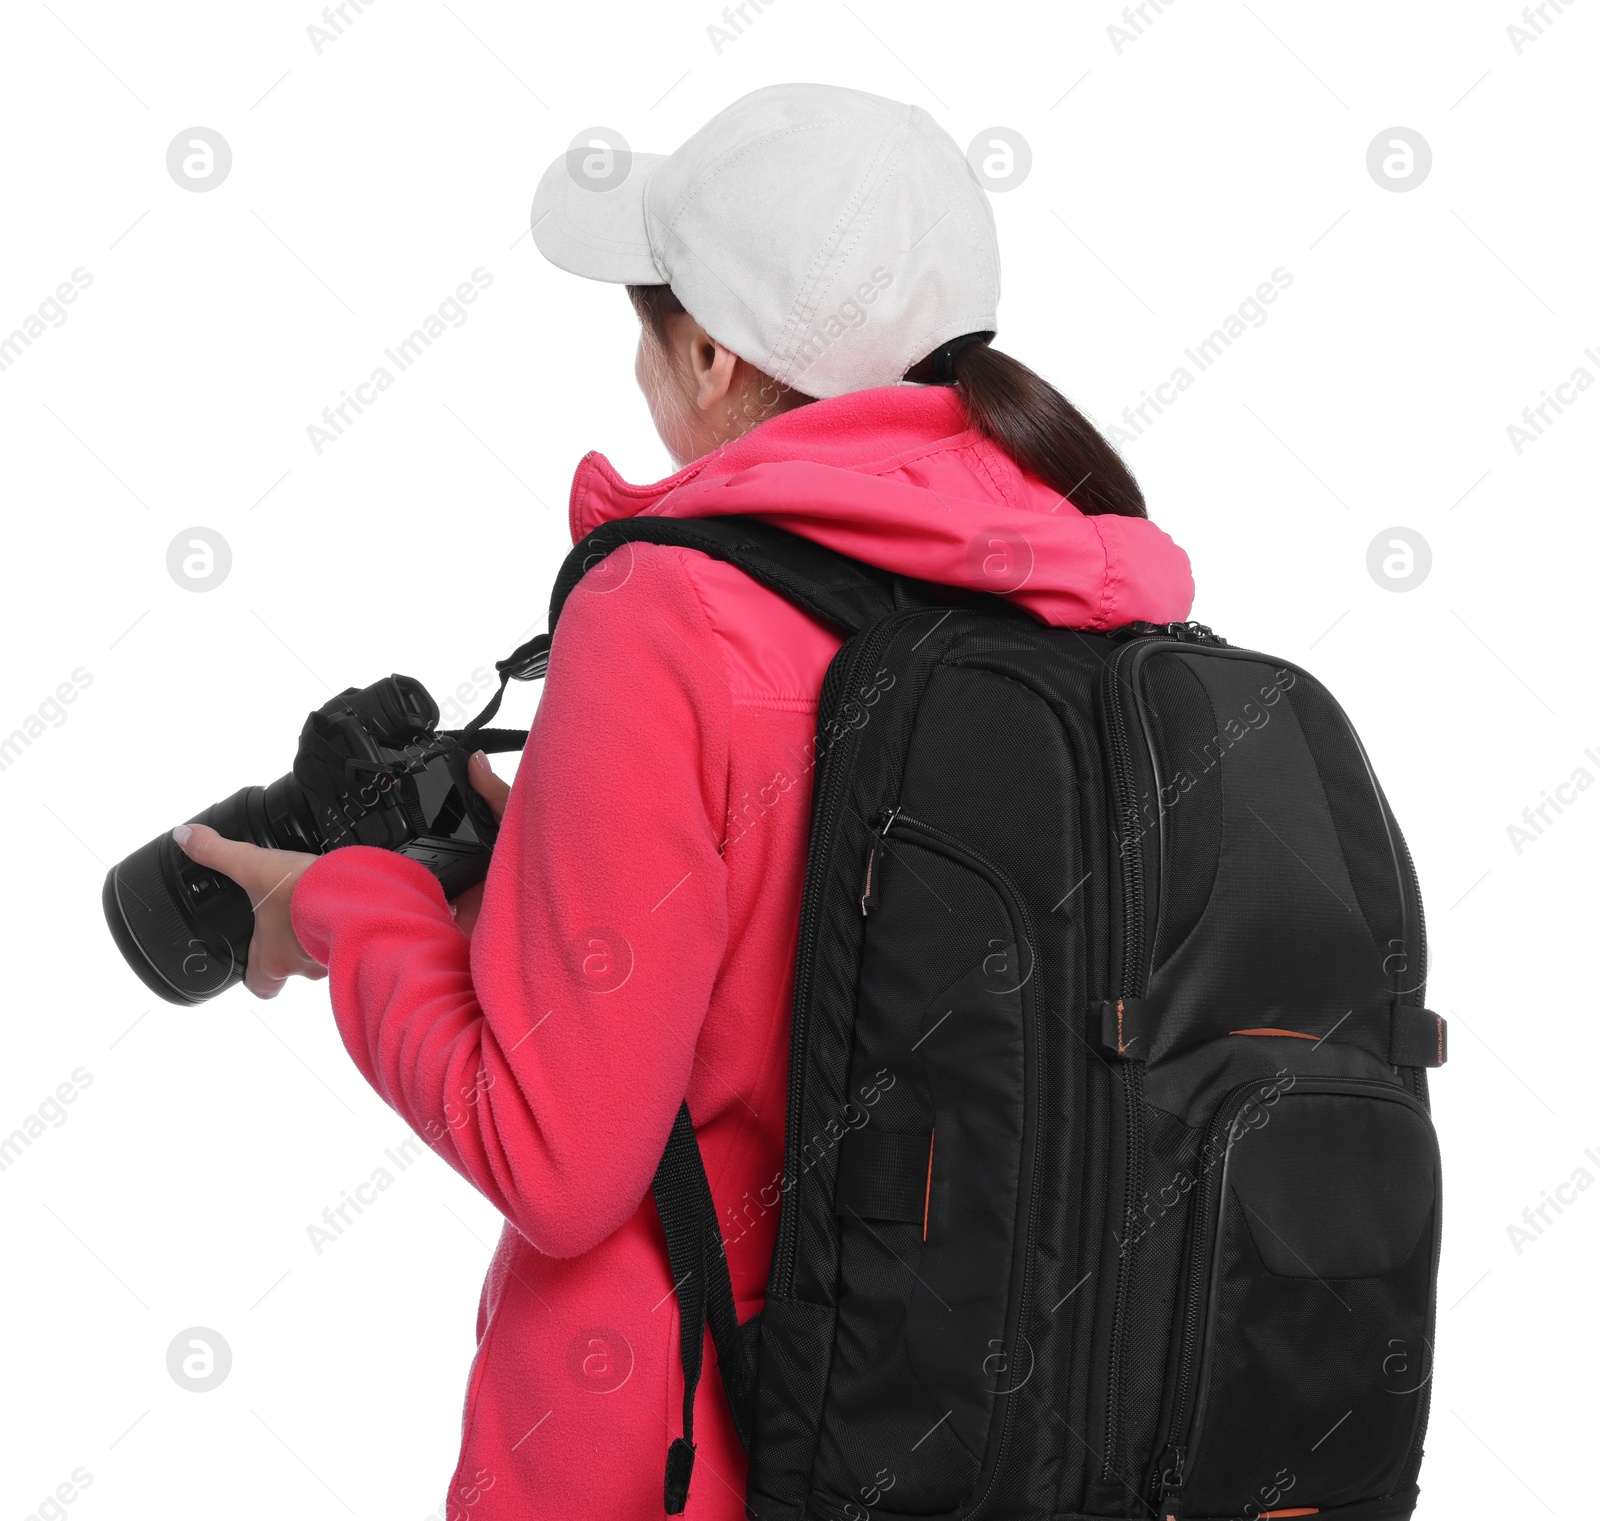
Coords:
pixel 927 1190
pixel 1125 1027
pixel 1304 1510
pixel 1298 1035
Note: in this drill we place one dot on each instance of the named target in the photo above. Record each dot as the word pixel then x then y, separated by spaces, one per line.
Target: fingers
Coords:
pixel 487 785
pixel 266 970
pixel 268 982
pixel 233 858
pixel 464 908
pixel 259 980
pixel 269 878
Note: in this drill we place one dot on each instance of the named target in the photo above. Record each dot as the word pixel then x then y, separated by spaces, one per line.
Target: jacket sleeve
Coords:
pixel 546 1058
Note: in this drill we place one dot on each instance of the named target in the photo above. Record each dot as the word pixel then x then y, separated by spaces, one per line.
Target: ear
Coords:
pixel 712 368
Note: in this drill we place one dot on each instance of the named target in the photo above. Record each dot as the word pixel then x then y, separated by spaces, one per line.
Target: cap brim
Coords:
pixel 598 233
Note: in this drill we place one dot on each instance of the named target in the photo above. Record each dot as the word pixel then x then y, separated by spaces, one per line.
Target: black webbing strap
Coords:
pixel 831 587
pixel 525 663
pixel 411 804
pixel 1418 1038
pixel 494 741
pixel 686 1253
pixel 848 595
pixel 884 1175
pixel 705 1295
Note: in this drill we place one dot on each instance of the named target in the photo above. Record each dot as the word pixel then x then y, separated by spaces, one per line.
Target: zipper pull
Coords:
pixel 1168 1507
pixel 1195 633
pixel 1140 628
pixel 1185 633
pixel 869 890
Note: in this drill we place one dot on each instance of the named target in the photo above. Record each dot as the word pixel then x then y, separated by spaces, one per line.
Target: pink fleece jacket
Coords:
pixel 638 927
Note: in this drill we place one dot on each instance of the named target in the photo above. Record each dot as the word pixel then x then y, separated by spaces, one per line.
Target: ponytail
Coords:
pixel 1037 426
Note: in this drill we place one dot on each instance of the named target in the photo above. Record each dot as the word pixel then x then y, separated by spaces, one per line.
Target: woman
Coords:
pixel 633 942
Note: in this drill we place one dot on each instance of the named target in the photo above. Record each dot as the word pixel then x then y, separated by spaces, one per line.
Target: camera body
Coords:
pixel 371 769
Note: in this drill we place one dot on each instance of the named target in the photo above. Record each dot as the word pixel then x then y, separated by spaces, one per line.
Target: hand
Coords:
pixel 269 877
pixel 494 792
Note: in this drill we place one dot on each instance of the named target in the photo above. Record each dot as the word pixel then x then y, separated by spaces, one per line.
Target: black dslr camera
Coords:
pixel 371 769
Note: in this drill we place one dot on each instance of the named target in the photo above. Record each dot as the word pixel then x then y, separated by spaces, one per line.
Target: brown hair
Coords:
pixel 1007 402
pixel 654 304
pixel 1041 430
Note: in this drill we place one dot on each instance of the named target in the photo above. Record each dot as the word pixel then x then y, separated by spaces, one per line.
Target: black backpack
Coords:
pixel 1110 1186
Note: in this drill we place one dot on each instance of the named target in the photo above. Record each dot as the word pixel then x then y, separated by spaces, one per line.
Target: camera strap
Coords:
pixel 494 741
pixel 525 663
pixel 831 587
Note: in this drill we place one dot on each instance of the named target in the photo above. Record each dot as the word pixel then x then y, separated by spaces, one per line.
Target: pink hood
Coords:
pixel 895 477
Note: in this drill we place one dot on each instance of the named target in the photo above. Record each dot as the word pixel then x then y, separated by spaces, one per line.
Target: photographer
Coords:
pixel 633 942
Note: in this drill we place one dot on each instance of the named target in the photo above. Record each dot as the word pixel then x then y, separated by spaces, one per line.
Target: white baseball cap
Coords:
pixel 828 237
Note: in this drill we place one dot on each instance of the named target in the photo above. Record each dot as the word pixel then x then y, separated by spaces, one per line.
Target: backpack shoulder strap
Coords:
pixel 705 1297
pixel 849 595
pixel 831 587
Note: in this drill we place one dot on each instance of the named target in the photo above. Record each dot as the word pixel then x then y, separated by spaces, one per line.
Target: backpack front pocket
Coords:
pixel 934 1192
pixel 1304 1340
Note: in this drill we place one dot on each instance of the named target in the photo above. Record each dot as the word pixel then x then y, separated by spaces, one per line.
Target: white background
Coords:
pixel 1168 180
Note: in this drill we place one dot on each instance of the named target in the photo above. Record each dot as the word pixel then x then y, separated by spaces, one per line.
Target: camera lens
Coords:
pixel 183 928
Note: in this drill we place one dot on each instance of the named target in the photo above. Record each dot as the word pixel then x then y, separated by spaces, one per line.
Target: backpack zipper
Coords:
pixel 1189 632
pixel 832 773
pixel 1169 1470
pixel 1130 1073
pixel 1417 1086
